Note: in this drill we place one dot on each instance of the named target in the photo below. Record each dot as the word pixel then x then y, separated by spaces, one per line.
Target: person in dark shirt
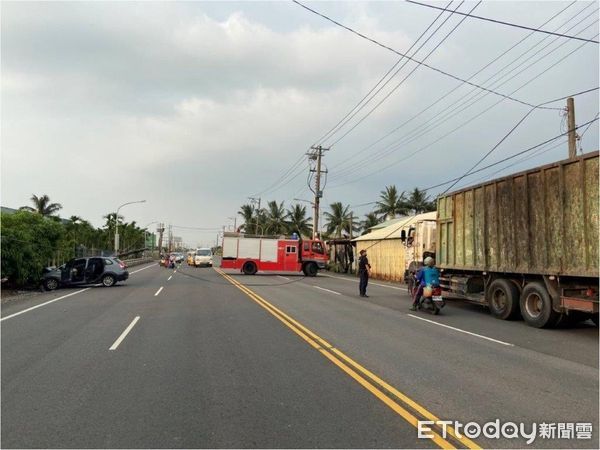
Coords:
pixel 363 272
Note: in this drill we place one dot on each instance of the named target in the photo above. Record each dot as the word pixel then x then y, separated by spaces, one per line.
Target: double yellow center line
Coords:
pixel 405 407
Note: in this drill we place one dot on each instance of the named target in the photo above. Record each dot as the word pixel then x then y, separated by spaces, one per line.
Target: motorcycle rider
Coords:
pixel 428 275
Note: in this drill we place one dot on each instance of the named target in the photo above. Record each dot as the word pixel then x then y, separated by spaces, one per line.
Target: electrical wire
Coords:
pixel 326 135
pixel 581 135
pixel 358 153
pixel 510 132
pixel 404 79
pixel 514 155
pixel 412 219
pixel 584 131
pixel 537 30
pixel 389 165
pixel 281 178
pixel 435 69
pixel 408 139
pixel 397 71
pixel 539 152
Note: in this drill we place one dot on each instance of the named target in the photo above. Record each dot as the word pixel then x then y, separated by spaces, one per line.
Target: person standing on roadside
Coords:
pixel 363 272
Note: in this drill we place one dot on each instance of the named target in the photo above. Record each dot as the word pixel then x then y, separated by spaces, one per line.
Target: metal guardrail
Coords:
pixel 138 261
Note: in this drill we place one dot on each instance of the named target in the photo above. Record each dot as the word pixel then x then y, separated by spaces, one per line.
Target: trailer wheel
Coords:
pixel 310 269
pixel 536 306
pixel 503 299
pixel 249 268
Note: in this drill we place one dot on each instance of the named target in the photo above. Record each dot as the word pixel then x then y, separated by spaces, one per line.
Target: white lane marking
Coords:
pixel 387 286
pixel 328 290
pixel 143 268
pixel 158 292
pixel 169 279
pixel 339 278
pixel 285 278
pixel 64 296
pixel 463 331
pixel 124 333
pixel 370 282
pixel 43 304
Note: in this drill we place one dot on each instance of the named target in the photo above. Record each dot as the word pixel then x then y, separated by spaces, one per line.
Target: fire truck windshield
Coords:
pixel 317 247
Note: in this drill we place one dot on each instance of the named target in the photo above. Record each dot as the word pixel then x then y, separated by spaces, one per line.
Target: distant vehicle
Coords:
pixel 251 254
pixel 190 258
pixel 79 271
pixel 203 257
pixel 178 257
pixel 163 260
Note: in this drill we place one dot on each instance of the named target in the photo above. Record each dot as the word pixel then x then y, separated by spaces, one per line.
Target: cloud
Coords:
pixel 197 106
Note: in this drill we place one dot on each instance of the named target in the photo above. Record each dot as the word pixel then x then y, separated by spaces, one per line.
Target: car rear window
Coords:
pixel 107 261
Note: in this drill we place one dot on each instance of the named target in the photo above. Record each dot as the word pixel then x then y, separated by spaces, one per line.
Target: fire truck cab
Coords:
pixel 251 254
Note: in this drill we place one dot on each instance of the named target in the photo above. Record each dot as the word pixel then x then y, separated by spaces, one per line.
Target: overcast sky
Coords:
pixel 196 106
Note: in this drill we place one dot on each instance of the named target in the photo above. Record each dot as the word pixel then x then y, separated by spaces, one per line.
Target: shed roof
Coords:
pixel 394 230
pixel 387 223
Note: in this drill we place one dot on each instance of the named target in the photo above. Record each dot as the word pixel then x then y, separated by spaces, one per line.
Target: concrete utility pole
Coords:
pixel 316 155
pixel 161 229
pixel 571 127
pixel 170 235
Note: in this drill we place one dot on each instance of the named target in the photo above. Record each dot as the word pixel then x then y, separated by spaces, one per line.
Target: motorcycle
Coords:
pixel 431 300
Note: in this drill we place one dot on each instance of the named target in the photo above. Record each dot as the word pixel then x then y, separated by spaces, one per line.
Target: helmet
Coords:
pixel 429 261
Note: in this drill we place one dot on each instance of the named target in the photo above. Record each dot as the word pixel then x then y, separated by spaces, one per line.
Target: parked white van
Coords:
pixel 204 257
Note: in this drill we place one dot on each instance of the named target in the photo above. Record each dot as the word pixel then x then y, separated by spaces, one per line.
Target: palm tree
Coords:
pixel 247 213
pixel 370 221
pixel 42 205
pixel 275 218
pixel 419 202
pixel 340 220
pixel 298 222
pixel 391 204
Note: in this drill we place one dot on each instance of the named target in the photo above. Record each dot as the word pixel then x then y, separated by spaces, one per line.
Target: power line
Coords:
pixel 514 155
pixel 280 182
pixel 391 149
pixel 584 131
pixel 282 177
pixel 455 77
pixel 506 136
pixel 404 79
pixel 461 84
pixel 539 152
pixel 510 132
pixel 460 107
pixel 354 110
pixel 537 30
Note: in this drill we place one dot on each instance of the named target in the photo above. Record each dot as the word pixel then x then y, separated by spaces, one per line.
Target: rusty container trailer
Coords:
pixel 526 243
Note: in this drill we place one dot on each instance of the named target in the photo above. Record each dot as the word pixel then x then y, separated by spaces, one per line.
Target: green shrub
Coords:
pixel 29 240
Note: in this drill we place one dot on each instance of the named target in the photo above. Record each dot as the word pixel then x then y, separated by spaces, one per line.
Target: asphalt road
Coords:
pixel 193 359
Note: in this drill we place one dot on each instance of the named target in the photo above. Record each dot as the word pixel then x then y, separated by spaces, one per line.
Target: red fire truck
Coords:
pixel 249 254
